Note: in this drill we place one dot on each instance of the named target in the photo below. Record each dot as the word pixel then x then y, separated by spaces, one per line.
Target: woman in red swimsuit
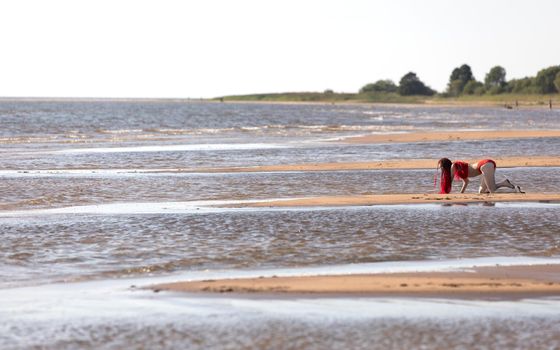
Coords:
pixel 464 171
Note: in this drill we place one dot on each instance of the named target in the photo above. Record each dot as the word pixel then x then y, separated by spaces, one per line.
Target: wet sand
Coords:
pixel 453 136
pixel 503 282
pixel 401 198
pixel 502 162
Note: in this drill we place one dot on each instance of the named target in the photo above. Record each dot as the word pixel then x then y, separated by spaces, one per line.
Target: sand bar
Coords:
pixel 452 136
pixel 402 198
pixel 502 162
pixel 499 281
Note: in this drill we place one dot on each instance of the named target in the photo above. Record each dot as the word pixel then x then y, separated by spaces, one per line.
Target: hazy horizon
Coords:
pixel 144 49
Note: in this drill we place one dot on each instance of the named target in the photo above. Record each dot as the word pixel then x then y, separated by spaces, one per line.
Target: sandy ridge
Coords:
pixel 452 136
pixel 504 282
pixel 502 162
pixel 401 198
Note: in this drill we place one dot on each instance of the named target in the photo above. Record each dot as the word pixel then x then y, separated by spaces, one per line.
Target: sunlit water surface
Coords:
pixel 105 215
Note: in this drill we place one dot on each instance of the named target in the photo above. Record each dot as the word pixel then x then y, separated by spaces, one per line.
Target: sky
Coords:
pixel 210 48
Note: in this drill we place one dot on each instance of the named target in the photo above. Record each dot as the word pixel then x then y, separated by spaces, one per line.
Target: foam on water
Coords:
pixel 172 148
pixel 216 206
pixel 136 208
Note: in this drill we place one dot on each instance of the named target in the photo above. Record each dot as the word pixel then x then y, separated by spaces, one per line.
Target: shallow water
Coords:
pixel 45 190
pixel 79 122
pixel 226 155
pixel 259 333
pixel 114 218
pixel 57 135
pixel 111 314
pixel 75 246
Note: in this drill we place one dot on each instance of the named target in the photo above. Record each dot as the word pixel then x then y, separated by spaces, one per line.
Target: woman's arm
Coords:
pixel 465 183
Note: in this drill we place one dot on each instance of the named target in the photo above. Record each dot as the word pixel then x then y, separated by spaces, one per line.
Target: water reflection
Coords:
pixel 94 246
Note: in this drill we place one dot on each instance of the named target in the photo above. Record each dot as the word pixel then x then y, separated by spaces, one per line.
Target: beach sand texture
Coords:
pixel 500 281
pixel 420 198
pixel 502 162
pixel 453 136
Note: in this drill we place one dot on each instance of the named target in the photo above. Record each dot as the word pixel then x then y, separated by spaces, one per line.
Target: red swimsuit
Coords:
pixel 482 162
pixel 462 168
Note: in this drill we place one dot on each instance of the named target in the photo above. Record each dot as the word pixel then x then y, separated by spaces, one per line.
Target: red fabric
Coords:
pixel 482 162
pixel 445 181
pixel 461 170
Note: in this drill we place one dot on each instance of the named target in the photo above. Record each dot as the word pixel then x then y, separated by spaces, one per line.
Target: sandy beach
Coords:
pixel 401 198
pixel 453 136
pixel 502 162
pixel 503 282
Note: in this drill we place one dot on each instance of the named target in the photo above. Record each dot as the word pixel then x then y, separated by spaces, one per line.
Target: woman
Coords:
pixel 464 171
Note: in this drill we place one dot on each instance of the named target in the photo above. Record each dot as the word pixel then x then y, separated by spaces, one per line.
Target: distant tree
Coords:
pixel 521 86
pixel 557 82
pixel 544 81
pixel 495 77
pixel 495 90
pixel 455 87
pixel 380 86
pixel 463 73
pixel 472 86
pixel 460 76
pixel 328 92
pixel 480 90
pixel 410 84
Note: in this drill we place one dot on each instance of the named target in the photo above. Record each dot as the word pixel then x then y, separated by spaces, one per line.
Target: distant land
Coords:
pixel 462 88
pixel 506 100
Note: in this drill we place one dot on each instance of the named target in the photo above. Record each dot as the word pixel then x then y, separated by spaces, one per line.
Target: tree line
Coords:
pixel 462 82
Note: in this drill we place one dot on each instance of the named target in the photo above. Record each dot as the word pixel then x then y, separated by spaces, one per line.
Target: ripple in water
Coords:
pixel 100 246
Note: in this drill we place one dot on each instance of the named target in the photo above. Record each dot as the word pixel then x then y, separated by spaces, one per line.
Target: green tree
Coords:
pixel 495 77
pixel 472 88
pixel 455 87
pixel 463 73
pixel 410 84
pixel 544 81
pixel 495 90
pixel 521 86
pixel 380 86
pixel 479 91
pixel 460 76
pixel 557 82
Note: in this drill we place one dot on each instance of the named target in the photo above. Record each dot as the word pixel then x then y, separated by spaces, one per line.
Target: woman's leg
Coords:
pixel 505 183
pixel 488 171
pixel 488 179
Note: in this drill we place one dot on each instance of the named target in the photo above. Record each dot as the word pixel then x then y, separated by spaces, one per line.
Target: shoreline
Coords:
pixel 503 162
pixel 524 101
pixel 504 101
pixel 501 282
pixel 401 164
pixel 430 136
pixel 406 199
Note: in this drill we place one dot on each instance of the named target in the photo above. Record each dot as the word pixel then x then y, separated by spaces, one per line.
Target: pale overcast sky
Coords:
pixel 208 48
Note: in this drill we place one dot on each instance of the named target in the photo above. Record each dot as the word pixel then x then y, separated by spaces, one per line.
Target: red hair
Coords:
pixel 461 170
pixel 445 179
